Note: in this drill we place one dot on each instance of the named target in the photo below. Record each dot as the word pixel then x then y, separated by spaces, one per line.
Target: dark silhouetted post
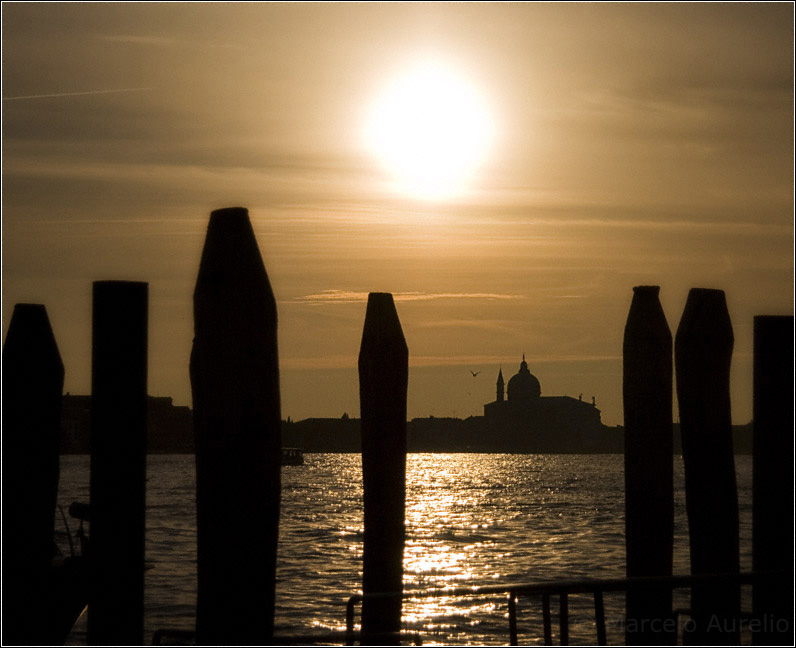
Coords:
pixel 383 380
pixel 772 530
pixel 118 463
pixel 235 383
pixel 33 379
pixel 703 352
pixel 649 490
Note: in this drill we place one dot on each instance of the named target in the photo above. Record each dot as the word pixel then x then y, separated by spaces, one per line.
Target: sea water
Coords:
pixel 471 519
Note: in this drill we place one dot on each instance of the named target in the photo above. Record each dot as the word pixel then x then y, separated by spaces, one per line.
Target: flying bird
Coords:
pixel 475 373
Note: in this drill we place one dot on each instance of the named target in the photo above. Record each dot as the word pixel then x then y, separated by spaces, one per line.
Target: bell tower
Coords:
pixel 500 386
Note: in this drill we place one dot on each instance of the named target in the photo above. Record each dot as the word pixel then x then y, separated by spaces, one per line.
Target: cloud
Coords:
pixel 137 39
pixel 75 94
pixel 504 360
pixel 452 323
pixel 350 296
pixel 341 361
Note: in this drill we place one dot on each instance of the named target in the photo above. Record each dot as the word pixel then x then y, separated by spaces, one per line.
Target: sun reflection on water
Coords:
pixel 449 532
pixel 497 519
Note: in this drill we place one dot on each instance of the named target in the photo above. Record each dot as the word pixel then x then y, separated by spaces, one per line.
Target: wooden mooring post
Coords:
pixel 703 353
pixel 649 494
pixel 33 379
pixel 118 462
pixel 383 381
pixel 772 499
pixel 237 421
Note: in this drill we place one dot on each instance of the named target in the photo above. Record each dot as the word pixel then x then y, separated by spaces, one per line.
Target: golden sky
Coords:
pixel 630 144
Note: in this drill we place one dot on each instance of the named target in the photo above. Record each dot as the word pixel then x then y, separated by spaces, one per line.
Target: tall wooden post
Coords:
pixel 649 490
pixel 772 529
pixel 33 379
pixel 703 352
pixel 383 380
pixel 235 383
pixel 118 463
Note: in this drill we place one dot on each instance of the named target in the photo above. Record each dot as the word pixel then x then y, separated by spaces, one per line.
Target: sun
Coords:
pixel 431 130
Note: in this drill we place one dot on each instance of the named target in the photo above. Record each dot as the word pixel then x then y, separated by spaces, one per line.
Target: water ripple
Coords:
pixel 470 520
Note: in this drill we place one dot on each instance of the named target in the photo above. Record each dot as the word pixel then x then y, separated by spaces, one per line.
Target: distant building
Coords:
pixel 533 422
pixel 169 426
pixel 525 422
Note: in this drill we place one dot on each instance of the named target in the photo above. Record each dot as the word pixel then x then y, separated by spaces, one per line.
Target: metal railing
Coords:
pixel 513 592
pixel 562 589
pixel 188 637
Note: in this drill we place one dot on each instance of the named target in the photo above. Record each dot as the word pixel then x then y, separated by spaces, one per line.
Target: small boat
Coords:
pixel 292 457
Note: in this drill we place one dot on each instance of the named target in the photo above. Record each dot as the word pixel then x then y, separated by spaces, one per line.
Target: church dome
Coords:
pixel 523 386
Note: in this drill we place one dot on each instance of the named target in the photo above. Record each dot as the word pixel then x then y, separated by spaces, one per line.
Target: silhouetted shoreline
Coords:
pixel 170 431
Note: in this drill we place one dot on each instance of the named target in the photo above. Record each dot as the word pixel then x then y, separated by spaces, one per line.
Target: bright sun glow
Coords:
pixel 431 131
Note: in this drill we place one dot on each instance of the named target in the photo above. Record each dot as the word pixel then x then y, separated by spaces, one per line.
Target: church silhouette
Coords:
pixel 540 423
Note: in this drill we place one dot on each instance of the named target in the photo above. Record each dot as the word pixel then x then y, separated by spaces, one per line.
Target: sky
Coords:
pixel 625 144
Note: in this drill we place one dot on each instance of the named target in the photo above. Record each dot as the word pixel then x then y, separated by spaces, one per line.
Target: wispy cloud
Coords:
pixel 506 361
pixel 74 94
pixel 136 39
pixel 350 296
pixel 349 362
pixel 460 323
pixel 170 41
